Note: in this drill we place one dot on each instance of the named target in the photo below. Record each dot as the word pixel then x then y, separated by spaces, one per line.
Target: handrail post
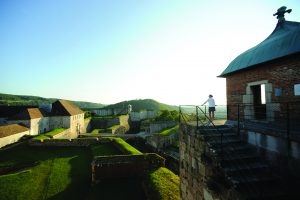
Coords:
pixel 197 117
pixel 238 119
pixel 179 118
pixel 288 128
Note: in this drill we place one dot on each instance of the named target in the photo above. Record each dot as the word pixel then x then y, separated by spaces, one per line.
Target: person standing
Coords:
pixel 211 107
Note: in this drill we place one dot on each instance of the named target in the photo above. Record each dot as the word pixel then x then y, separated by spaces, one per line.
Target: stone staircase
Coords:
pixel 244 172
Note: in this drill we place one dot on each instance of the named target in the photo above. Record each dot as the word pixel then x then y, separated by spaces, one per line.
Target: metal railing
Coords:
pixel 280 119
pixel 198 116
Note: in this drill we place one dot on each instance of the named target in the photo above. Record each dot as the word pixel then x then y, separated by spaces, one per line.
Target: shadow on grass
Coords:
pixel 115 189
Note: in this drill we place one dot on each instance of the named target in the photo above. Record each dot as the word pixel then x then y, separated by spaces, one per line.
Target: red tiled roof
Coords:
pixel 65 108
pixel 11 129
pixel 29 113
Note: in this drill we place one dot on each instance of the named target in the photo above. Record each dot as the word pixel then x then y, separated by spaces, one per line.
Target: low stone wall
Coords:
pixel 80 142
pixel 109 111
pixel 124 166
pixel 156 127
pixel 138 116
pixel 159 142
pixel 104 123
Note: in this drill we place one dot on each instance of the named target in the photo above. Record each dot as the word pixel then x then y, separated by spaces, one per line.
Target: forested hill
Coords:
pixel 143 104
pixel 22 100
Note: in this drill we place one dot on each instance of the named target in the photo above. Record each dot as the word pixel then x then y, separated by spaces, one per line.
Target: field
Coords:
pixel 59 173
pixel 47 173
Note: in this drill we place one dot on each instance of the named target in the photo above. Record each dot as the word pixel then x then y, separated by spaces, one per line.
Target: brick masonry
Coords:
pixel 281 73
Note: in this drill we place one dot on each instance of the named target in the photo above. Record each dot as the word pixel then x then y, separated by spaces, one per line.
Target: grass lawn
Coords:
pixel 59 173
pixel 104 150
pixel 55 132
pixel 41 137
pixel 50 173
pixel 117 189
pixel 169 131
pixel 163 184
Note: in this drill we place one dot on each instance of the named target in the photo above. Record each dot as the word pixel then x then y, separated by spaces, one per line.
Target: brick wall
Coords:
pixel 282 73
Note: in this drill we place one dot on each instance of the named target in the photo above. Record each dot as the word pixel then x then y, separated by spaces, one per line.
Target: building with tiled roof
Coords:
pixel 12 133
pixel 67 115
pixel 65 108
pixel 34 121
pixel 267 75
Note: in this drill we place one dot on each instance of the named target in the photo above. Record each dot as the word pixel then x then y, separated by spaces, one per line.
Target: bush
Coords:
pixel 163 184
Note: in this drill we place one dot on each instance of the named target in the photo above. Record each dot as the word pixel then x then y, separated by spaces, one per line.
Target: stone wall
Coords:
pixel 87 126
pixel 103 123
pixel 156 127
pixel 12 138
pixel 120 166
pixel 109 111
pixel 146 114
pixel 192 169
pixel 159 142
pixel 59 122
pixel 83 142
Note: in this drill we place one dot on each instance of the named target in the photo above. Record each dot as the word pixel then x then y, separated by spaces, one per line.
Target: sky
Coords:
pixel 107 51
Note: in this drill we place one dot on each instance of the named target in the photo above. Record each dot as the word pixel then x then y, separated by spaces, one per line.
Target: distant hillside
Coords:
pixel 22 100
pixel 142 104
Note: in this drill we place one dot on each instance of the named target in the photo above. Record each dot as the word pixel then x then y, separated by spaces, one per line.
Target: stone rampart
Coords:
pixel 192 168
pixel 145 114
pixel 124 166
pixel 156 127
pixel 83 142
pixel 161 141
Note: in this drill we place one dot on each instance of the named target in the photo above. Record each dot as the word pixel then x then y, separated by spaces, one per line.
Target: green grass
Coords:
pixel 55 132
pixel 163 184
pixel 128 148
pixel 95 131
pixel 104 150
pixel 41 137
pixel 109 117
pixel 59 173
pixel 169 131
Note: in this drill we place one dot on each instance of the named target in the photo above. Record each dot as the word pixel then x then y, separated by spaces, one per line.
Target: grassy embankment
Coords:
pixel 65 173
pixel 49 135
pixel 169 131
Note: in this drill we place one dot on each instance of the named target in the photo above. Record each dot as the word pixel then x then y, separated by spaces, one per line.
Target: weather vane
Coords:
pixel 280 13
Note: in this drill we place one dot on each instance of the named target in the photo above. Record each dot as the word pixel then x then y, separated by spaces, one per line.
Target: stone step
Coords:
pixel 235 148
pixel 225 142
pixel 207 129
pixel 263 190
pixel 232 167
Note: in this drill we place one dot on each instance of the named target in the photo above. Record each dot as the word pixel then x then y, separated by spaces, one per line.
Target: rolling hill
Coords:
pixel 143 104
pixel 24 100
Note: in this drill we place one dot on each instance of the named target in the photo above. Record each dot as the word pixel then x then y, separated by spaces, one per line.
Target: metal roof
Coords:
pixel 283 41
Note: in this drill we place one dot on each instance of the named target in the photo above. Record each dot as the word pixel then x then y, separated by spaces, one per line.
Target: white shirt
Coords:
pixel 211 102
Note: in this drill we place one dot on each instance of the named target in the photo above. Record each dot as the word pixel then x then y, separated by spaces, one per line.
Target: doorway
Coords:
pixel 259 101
